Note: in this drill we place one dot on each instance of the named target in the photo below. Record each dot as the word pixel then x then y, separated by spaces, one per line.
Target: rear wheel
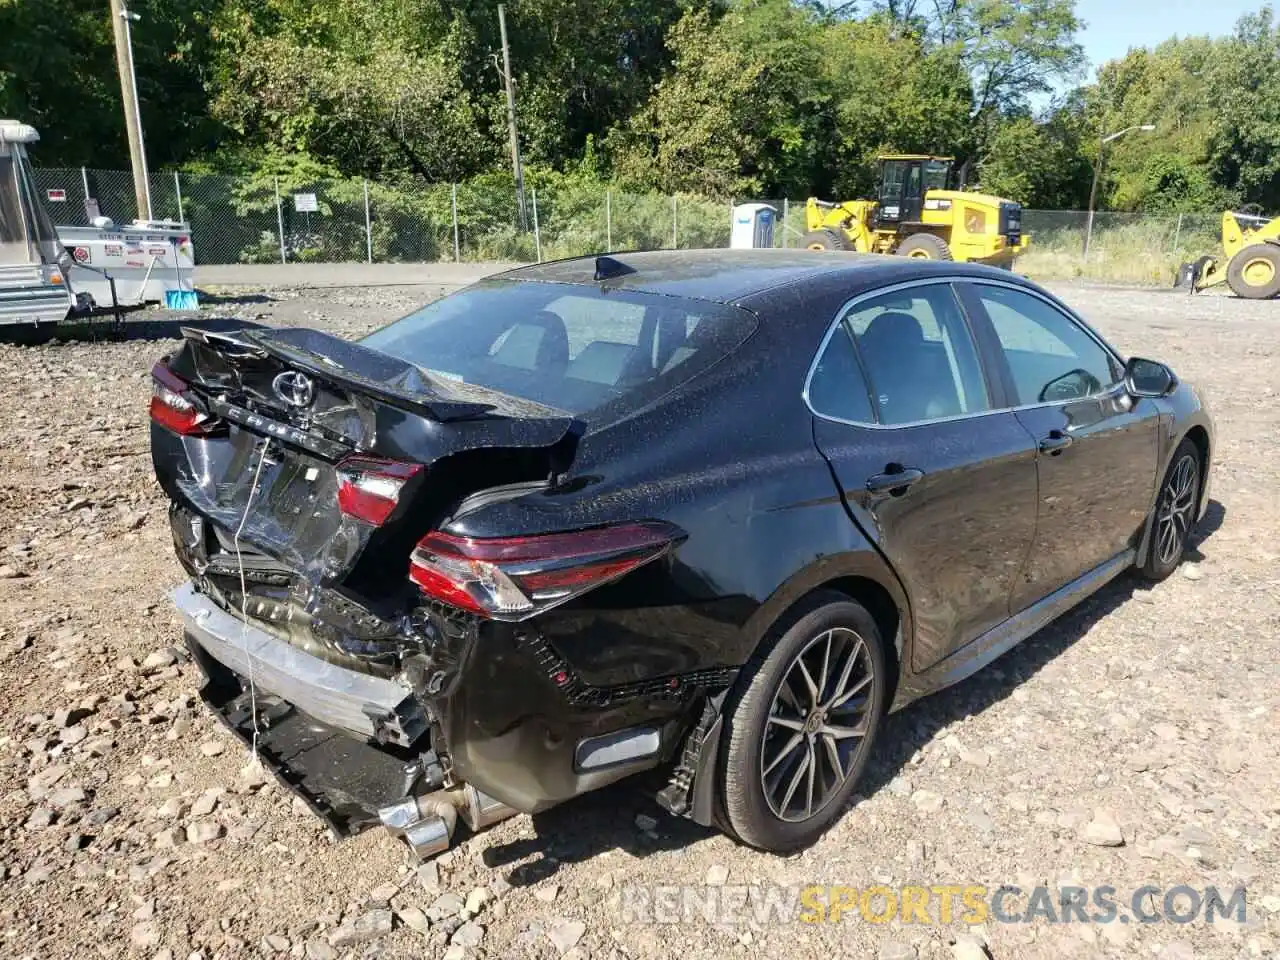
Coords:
pixel 1175 513
pixel 801 729
pixel 924 246
pixel 1254 272
pixel 825 240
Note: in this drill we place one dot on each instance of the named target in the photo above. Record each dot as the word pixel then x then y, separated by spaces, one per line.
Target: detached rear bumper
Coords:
pixel 506 724
pixel 365 706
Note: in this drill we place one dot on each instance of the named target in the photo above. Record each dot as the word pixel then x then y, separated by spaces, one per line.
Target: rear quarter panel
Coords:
pixel 730 459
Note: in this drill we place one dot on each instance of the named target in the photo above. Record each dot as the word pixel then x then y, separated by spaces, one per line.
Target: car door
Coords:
pixel 1098 446
pixel 941 479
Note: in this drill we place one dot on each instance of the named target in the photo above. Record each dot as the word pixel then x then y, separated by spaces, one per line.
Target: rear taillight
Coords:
pixel 172 406
pixel 369 487
pixel 511 578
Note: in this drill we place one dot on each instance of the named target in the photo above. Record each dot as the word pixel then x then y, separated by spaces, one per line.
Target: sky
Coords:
pixel 1116 25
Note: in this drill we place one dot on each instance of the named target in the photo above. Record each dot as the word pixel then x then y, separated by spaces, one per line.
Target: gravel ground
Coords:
pixel 1132 742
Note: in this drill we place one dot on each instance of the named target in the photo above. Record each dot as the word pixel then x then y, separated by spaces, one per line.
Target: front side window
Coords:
pixel 918 354
pixel 1051 357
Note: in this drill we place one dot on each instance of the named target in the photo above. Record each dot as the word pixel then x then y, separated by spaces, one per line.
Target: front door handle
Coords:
pixel 1055 442
pixel 894 481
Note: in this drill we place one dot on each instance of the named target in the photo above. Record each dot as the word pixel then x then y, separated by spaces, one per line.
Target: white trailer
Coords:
pixel 34 287
pixel 148 259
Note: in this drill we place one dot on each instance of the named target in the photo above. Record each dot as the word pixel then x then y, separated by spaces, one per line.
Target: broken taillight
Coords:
pixel 172 406
pixel 512 578
pixel 369 487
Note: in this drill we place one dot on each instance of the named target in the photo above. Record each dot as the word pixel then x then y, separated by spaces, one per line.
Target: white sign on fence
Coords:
pixel 57 196
pixel 305 203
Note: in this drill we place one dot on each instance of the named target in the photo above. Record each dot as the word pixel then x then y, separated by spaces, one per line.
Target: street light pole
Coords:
pixel 1097 169
pixel 121 20
pixel 512 128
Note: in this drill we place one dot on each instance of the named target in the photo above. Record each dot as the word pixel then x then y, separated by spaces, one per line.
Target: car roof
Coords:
pixel 734 276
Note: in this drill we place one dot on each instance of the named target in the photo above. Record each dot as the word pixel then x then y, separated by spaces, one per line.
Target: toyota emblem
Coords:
pixel 294 388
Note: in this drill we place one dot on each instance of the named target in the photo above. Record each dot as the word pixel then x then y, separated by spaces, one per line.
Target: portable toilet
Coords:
pixel 752 226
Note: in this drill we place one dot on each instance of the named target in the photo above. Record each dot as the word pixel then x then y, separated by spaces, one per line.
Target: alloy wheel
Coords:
pixel 1177 508
pixel 817 723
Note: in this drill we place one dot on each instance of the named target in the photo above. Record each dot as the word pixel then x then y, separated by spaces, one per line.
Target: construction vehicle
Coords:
pixel 916 215
pixel 1250 264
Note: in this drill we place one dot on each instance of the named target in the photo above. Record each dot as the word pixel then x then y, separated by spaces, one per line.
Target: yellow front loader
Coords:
pixel 915 215
pixel 1250 264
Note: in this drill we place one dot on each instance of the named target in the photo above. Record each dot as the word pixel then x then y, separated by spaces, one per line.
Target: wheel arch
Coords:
pixel 884 610
pixel 864 577
pixel 1200 435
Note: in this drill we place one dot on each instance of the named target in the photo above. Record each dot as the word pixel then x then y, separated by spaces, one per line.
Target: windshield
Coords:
pixel 576 348
pixel 26 233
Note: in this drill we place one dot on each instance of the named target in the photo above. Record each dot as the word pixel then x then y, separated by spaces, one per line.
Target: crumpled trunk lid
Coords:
pixel 256 493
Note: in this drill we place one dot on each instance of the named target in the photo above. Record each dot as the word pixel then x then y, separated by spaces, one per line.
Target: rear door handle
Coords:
pixel 894 481
pixel 1055 442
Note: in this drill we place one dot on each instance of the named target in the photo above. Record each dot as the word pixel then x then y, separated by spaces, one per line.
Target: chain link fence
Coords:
pixel 1120 247
pixel 262 220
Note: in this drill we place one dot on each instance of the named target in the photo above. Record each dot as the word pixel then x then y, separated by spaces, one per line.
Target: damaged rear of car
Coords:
pixel 389 664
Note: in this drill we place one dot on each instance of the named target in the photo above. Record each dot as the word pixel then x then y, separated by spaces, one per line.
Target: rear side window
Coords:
pixel 576 348
pixel 837 388
pixel 918 354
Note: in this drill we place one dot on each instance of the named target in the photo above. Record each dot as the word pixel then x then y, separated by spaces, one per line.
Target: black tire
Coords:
pixel 1174 518
pixel 827 626
pixel 926 246
pixel 825 240
pixel 1254 272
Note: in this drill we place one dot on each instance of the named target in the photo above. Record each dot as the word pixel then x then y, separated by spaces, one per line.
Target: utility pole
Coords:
pixel 121 19
pixel 1097 170
pixel 511 115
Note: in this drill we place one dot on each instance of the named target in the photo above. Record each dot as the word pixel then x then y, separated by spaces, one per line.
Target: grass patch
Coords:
pixel 1126 248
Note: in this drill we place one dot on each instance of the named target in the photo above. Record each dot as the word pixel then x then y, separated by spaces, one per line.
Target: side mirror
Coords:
pixel 1148 378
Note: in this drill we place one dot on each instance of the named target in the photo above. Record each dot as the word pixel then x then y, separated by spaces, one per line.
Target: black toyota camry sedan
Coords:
pixel 710 514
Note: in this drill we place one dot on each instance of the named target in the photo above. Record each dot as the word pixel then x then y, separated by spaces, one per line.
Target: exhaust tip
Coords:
pixel 427 838
pixel 400 816
pixel 426 823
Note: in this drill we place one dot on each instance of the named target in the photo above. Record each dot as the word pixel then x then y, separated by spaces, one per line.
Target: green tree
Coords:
pixel 920 105
pixel 743 111
pixel 1215 104
pixel 58 73
pixel 1244 144
pixel 352 85
pixel 1039 164
pixel 1013 49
